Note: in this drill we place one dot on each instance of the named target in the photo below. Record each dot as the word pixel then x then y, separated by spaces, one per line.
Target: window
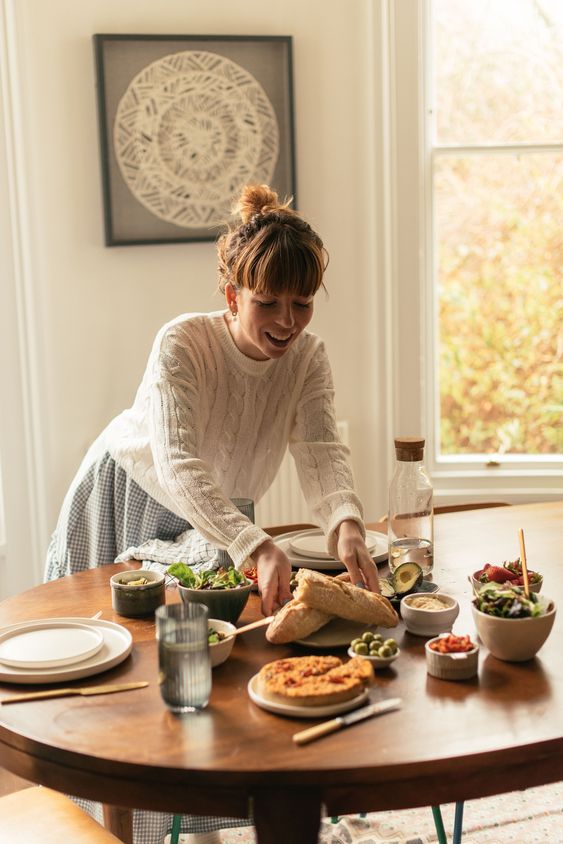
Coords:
pixel 497 162
pixel 477 133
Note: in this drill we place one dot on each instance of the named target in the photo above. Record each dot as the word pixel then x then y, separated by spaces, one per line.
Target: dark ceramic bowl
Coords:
pixel 225 604
pixel 135 601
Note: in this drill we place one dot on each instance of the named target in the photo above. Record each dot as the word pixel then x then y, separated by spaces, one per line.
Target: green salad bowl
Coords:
pixel 225 604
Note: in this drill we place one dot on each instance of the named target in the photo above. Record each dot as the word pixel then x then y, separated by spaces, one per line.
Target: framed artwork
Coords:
pixel 185 121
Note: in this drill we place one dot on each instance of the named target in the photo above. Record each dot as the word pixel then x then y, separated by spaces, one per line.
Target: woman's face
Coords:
pixel 266 326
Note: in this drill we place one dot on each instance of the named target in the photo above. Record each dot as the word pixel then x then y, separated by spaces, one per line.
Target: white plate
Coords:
pixel 57 643
pixel 312 543
pixel 377 661
pixel 284 540
pixel 116 647
pixel 302 711
pixel 338 633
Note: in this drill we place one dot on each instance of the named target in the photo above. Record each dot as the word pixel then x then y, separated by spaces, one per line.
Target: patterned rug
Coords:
pixel 534 816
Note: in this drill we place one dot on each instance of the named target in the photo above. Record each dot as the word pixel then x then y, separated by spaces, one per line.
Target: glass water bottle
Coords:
pixel 410 518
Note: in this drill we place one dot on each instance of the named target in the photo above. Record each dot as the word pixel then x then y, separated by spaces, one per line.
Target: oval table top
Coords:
pixel 450 740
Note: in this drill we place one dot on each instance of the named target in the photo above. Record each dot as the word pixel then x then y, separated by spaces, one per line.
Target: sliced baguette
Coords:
pixel 295 621
pixel 336 597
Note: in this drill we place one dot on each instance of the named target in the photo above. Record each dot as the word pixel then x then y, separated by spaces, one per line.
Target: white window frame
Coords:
pixel 411 290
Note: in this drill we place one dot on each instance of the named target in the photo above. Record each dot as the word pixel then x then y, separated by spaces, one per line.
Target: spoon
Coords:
pixel 260 623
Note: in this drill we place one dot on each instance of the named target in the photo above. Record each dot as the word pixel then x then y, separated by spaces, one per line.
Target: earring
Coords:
pixel 234 313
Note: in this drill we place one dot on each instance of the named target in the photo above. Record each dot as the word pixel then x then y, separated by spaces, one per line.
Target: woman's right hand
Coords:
pixel 274 572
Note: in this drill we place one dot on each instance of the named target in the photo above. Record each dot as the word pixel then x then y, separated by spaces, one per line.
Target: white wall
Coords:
pixel 99 307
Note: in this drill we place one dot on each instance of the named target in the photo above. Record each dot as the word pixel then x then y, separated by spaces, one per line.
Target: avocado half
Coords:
pixel 407 577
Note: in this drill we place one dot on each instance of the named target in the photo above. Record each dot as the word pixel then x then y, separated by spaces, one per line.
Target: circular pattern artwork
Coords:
pixel 191 129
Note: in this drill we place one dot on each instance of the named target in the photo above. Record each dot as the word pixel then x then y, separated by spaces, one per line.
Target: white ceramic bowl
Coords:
pixel 221 651
pixel 429 622
pixel 454 666
pixel 515 639
pixel 376 661
pixel 534 587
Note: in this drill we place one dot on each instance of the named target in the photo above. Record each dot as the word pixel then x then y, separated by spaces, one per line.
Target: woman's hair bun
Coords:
pixel 256 199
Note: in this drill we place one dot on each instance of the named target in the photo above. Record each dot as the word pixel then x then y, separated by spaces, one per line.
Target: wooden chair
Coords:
pixel 40 814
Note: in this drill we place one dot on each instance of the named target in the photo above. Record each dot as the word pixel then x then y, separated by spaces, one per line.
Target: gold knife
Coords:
pixel 89 690
pixel 312 733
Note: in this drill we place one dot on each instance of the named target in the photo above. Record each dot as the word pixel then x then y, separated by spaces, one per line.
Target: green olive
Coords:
pixel 355 642
pixel 367 636
pixel 361 648
pixel 391 643
pixel 377 637
pixel 385 652
pixel 374 649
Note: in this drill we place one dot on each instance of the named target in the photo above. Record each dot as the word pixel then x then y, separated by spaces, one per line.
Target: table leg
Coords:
pixel 120 822
pixel 283 815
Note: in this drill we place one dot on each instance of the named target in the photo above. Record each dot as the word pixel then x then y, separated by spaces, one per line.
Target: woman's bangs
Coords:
pixel 287 268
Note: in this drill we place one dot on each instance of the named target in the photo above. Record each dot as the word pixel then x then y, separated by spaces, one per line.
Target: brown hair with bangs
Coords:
pixel 273 250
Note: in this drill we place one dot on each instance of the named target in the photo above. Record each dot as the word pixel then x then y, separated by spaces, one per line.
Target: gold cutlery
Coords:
pixel 89 690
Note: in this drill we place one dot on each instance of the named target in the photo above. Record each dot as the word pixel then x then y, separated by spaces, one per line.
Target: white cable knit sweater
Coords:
pixel 209 423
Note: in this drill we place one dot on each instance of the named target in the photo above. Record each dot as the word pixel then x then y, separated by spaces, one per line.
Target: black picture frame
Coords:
pixel 186 120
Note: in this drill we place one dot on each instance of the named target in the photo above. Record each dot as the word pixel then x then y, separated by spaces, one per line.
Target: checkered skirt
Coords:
pixel 104 513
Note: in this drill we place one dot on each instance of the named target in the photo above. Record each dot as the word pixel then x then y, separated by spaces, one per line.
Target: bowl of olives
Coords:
pixel 380 652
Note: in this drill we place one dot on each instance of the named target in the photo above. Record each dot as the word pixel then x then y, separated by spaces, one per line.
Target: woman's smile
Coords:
pixel 267 325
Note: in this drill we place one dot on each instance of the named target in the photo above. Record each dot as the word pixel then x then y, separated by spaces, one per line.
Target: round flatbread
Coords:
pixel 314 680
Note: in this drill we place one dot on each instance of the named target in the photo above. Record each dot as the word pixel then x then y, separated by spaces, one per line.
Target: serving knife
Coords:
pixel 312 733
pixel 88 690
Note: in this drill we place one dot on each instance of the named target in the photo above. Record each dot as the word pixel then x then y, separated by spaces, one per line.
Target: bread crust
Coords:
pixel 336 597
pixel 314 680
pixel 295 621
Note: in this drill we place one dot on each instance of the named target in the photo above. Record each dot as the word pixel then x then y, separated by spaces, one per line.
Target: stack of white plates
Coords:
pixel 306 549
pixel 50 650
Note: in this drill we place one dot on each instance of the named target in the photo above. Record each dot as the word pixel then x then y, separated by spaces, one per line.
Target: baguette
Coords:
pixel 336 597
pixel 295 621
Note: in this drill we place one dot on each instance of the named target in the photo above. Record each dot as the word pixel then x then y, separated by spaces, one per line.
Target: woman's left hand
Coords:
pixel 353 552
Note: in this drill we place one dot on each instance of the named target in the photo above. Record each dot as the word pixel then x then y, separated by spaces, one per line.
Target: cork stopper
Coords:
pixel 409 449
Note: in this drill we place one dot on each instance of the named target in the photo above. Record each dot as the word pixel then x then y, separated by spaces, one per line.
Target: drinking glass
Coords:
pixel 183 656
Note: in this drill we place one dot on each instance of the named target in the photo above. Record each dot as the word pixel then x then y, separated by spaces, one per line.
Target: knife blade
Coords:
pixel 86 691
pixel 312 733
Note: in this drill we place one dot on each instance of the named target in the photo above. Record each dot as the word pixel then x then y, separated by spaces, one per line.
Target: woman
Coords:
pixel 222 397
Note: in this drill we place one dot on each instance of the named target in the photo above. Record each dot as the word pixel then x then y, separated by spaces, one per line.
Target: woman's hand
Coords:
pixel 352 551
pixel 274 572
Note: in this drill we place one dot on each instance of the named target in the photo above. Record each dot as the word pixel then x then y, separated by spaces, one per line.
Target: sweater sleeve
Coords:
pixel 175 430
pixel 320 457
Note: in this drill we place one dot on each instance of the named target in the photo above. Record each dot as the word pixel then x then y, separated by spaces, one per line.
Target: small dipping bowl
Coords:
pixel 134 600
pixel 453 666
pixel 220 651
pixel 426 621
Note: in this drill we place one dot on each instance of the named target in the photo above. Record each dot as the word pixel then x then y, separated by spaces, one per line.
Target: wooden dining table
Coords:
pixel 450 741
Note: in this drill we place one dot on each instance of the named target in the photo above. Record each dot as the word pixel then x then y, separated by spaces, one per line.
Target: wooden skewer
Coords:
pixel 524 564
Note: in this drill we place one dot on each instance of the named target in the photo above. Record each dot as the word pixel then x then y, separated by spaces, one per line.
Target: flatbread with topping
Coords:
pixel 314 680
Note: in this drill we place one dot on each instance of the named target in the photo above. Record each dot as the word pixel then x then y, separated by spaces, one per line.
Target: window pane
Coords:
pixel 498 71
pixel 499 237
